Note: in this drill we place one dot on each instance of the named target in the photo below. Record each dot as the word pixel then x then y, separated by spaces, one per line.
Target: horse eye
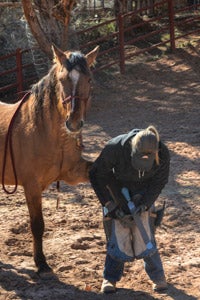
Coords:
pixel 89 80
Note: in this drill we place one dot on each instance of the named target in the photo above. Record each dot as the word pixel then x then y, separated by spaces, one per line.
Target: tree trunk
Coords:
pixel 49 22
pixel 36 29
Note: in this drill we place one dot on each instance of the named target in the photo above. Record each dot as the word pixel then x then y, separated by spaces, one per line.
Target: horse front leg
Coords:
pixel 34 202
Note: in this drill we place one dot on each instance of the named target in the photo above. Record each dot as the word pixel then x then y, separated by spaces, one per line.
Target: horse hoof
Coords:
pixel 46 273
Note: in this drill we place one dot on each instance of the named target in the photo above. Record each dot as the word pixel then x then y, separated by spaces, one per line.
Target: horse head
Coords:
pixel 73 85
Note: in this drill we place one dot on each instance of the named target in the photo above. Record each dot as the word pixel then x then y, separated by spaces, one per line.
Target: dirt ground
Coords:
pixel 163 92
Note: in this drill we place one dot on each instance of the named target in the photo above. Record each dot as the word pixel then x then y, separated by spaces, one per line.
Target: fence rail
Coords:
pixel 121 39
pixel 20 81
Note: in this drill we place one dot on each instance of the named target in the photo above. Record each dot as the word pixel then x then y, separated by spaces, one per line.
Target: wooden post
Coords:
pixel 121 43
pixel 171 25
pixel 19 70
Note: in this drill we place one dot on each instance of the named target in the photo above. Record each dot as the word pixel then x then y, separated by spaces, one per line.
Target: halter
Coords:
pixel 70 98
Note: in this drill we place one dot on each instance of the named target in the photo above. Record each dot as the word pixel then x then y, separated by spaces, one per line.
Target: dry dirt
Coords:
pixel 163 92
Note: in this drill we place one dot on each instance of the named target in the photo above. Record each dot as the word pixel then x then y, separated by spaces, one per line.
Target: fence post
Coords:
pixel 121 43
pixel 171 24
pixel 19 70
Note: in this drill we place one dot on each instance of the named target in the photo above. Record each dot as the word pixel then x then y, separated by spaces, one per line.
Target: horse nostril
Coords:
pixel 67 123
pixel 74 127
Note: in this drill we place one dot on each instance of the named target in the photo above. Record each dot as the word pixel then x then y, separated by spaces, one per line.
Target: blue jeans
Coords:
pixel 113 269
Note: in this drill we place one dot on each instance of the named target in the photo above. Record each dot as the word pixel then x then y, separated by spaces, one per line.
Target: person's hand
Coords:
pixel 140 209
pixel 136 199
pixel 113 213
pixel 117 213
pixel 113 210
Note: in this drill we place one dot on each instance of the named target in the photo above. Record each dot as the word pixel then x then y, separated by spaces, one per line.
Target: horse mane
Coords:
pixel 41 87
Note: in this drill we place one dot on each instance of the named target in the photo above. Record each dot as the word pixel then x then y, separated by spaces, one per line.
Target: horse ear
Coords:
pixel 91 56
pixel 58 55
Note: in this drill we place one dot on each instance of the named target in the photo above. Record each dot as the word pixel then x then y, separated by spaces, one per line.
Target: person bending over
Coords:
pixel 140 162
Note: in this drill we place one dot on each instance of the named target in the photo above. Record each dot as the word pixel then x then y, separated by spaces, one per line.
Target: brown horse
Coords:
pixel 40 136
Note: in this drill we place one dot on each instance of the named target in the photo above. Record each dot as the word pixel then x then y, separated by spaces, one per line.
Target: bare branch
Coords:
pixel 35 27
pixel 10 4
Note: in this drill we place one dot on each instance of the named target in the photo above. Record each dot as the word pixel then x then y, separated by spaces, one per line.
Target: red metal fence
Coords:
pixel 20 80
pixel 17 69
pixel 124 37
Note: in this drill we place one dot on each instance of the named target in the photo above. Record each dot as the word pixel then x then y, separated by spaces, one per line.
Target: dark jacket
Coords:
pixel 113 168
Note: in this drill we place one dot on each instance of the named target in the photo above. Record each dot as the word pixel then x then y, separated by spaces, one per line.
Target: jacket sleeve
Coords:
pixel 159 179
pixel 101 173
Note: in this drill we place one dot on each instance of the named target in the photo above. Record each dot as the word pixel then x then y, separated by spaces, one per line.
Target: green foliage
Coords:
pixel 104 31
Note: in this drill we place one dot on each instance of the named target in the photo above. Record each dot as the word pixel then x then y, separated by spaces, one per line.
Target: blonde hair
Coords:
pixel 152 129
pixel 150 132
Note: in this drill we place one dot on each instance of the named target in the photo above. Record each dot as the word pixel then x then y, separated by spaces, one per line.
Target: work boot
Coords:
pixel 108 287
pixel 160 285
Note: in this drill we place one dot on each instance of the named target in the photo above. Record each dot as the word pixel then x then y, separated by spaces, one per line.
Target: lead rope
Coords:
pixel 80 145
pixel 8 142
pixel 58 197
pixel 79 141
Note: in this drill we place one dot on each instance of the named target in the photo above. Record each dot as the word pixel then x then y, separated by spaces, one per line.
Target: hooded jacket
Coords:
pixel 113 167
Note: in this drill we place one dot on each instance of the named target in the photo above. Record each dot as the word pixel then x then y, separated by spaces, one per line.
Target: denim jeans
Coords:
pixel 113 269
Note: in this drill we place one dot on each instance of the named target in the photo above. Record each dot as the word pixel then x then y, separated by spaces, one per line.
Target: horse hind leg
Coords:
pixel 34 203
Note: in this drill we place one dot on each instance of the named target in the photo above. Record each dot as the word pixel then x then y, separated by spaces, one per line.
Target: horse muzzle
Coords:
pixel 74 126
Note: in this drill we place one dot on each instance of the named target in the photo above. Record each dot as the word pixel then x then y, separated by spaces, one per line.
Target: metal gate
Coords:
pixel 120 39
